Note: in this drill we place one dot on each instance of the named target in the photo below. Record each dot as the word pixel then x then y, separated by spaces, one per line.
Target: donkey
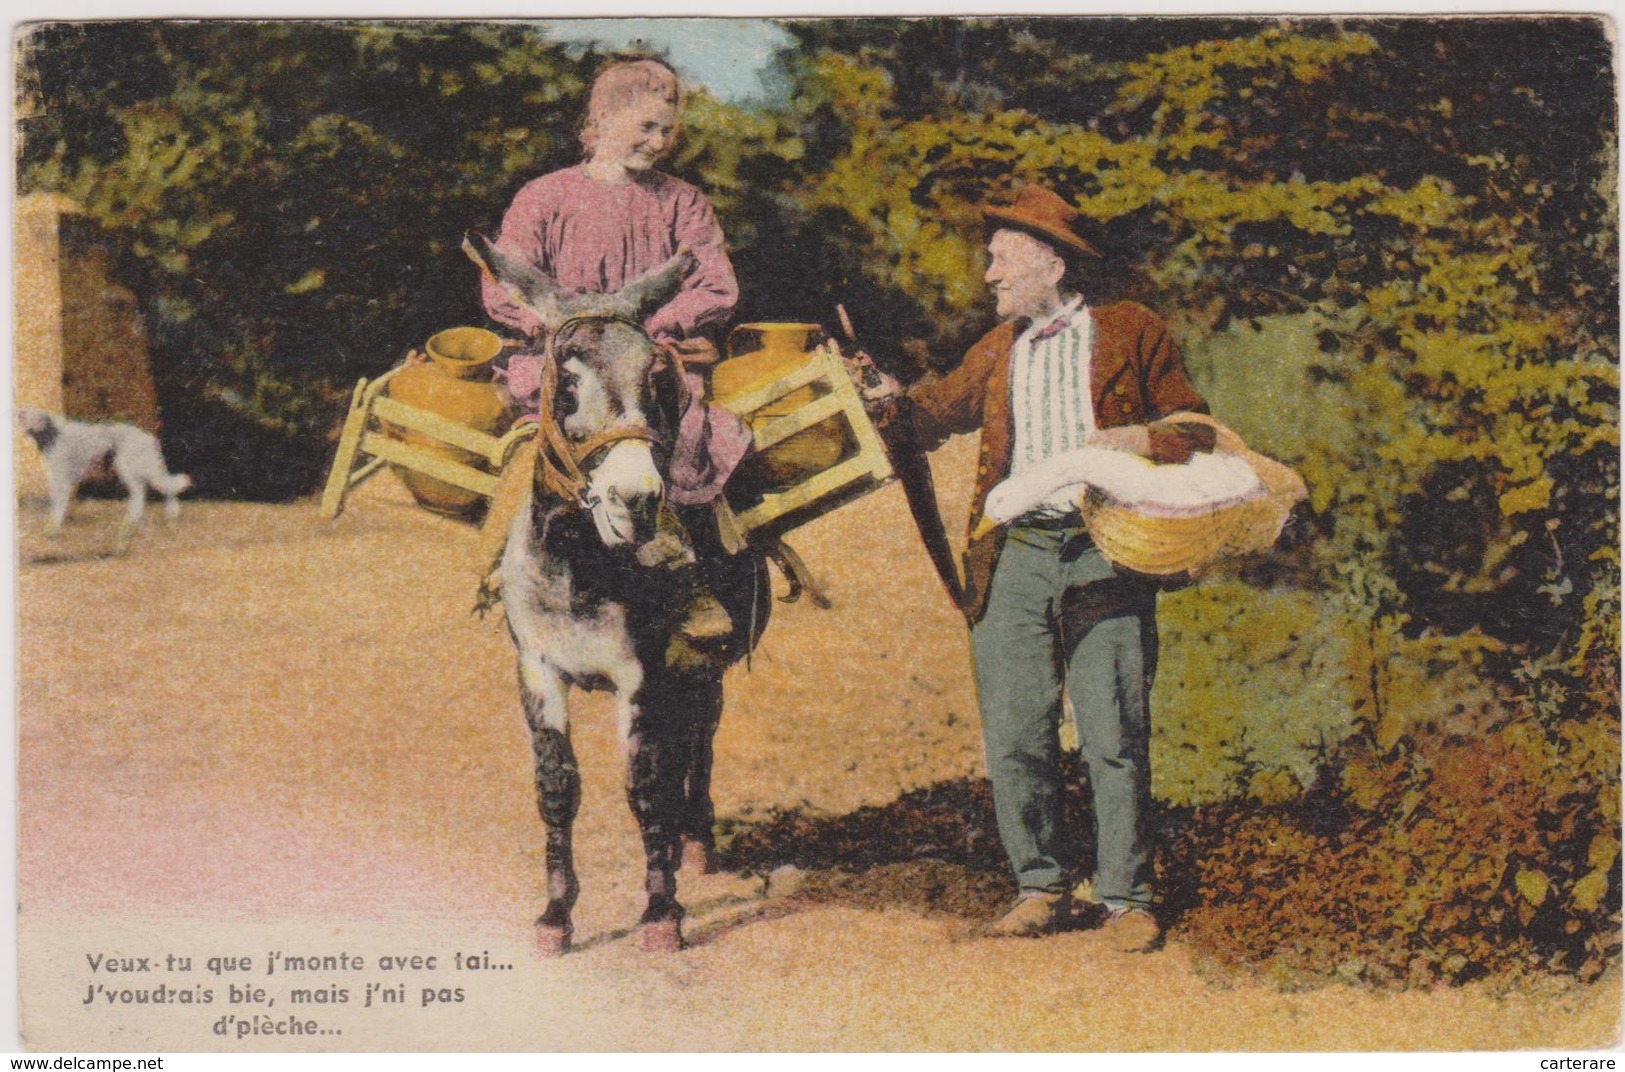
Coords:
pixel 582 609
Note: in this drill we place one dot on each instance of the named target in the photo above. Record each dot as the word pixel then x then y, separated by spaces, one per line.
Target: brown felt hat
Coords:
pixel 1045 215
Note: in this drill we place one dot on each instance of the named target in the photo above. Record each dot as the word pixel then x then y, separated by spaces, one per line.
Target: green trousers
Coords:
pixel 1060 617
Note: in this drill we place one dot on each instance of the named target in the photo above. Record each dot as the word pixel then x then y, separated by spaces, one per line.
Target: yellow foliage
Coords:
pixel 311 280
pixel 1533 885
pixel 1589 891
pixel 1527 498
pixel 1603 850
pixel 1274 787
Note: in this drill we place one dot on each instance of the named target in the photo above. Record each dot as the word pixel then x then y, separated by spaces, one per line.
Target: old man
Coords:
pixel 1047 611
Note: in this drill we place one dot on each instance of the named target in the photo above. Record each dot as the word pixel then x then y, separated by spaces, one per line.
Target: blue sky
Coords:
pixel 726 56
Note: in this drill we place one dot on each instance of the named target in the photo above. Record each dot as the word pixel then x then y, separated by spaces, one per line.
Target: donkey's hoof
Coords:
pixel 552 940
pixel 663 936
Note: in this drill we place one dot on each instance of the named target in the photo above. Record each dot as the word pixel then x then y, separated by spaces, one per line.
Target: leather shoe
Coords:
pixel 1035 913
pixel 1130 929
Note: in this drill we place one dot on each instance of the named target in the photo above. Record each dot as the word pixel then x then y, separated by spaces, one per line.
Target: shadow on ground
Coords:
pixel 933 850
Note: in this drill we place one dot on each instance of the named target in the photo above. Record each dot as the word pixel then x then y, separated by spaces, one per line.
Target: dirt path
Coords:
pixel 260 733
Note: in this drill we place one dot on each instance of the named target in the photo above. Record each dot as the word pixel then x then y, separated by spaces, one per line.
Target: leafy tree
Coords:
pixel 1458 263
pixel 292 196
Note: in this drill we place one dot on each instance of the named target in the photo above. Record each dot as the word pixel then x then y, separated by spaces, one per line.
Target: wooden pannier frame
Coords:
pixel 364 437
pixel 365 447
pixel 781 509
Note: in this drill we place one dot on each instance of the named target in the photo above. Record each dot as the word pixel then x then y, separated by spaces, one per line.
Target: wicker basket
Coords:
pixel 1163 546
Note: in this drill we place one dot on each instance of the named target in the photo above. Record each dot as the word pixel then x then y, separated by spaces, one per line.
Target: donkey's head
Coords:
pixel 605 388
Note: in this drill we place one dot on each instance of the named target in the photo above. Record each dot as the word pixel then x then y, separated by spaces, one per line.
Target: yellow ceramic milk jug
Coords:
pixel 455 384
pixel 758 353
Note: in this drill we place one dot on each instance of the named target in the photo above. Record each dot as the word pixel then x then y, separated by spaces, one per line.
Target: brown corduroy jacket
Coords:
pixel 1135 375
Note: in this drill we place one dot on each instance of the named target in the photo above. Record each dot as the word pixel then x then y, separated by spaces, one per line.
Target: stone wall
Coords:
pixel 80 343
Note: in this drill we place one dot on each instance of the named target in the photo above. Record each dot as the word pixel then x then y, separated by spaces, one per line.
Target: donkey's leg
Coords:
pixel 655 759
pixel 558 794
pixel 702 702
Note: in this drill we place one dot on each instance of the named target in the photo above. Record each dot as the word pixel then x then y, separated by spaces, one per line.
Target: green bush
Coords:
pixel 1253 687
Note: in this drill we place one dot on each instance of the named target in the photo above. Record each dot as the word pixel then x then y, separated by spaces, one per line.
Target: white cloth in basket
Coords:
pixel 1206 483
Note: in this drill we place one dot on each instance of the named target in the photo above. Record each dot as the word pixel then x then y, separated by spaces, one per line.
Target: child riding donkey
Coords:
pixel 594 228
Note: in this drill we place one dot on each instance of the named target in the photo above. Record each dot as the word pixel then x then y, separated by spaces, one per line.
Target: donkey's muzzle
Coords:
pixel 644 514
pixel 624 492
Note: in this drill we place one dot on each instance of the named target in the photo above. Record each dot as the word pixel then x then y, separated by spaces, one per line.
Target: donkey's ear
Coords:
pixel 654 288
pixel 531 289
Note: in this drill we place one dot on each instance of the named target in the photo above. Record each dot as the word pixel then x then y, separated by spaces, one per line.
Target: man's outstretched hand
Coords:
pixel 879 390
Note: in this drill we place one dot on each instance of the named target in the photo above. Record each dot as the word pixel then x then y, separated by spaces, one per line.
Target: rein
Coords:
pixel 559 461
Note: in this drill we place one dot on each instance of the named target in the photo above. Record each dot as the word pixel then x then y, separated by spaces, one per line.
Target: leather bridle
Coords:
pixel 559 460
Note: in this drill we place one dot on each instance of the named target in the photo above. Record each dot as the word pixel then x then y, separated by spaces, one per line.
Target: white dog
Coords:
pixel 70 448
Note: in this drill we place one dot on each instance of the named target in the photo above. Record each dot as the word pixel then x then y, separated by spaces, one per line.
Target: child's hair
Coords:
pixel 618 85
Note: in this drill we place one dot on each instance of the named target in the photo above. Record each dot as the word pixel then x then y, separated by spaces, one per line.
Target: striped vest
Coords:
pixel 1051 406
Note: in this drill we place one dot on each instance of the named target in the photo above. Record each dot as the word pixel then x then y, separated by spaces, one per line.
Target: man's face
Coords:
pixel 1023 273
pixel 638 135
